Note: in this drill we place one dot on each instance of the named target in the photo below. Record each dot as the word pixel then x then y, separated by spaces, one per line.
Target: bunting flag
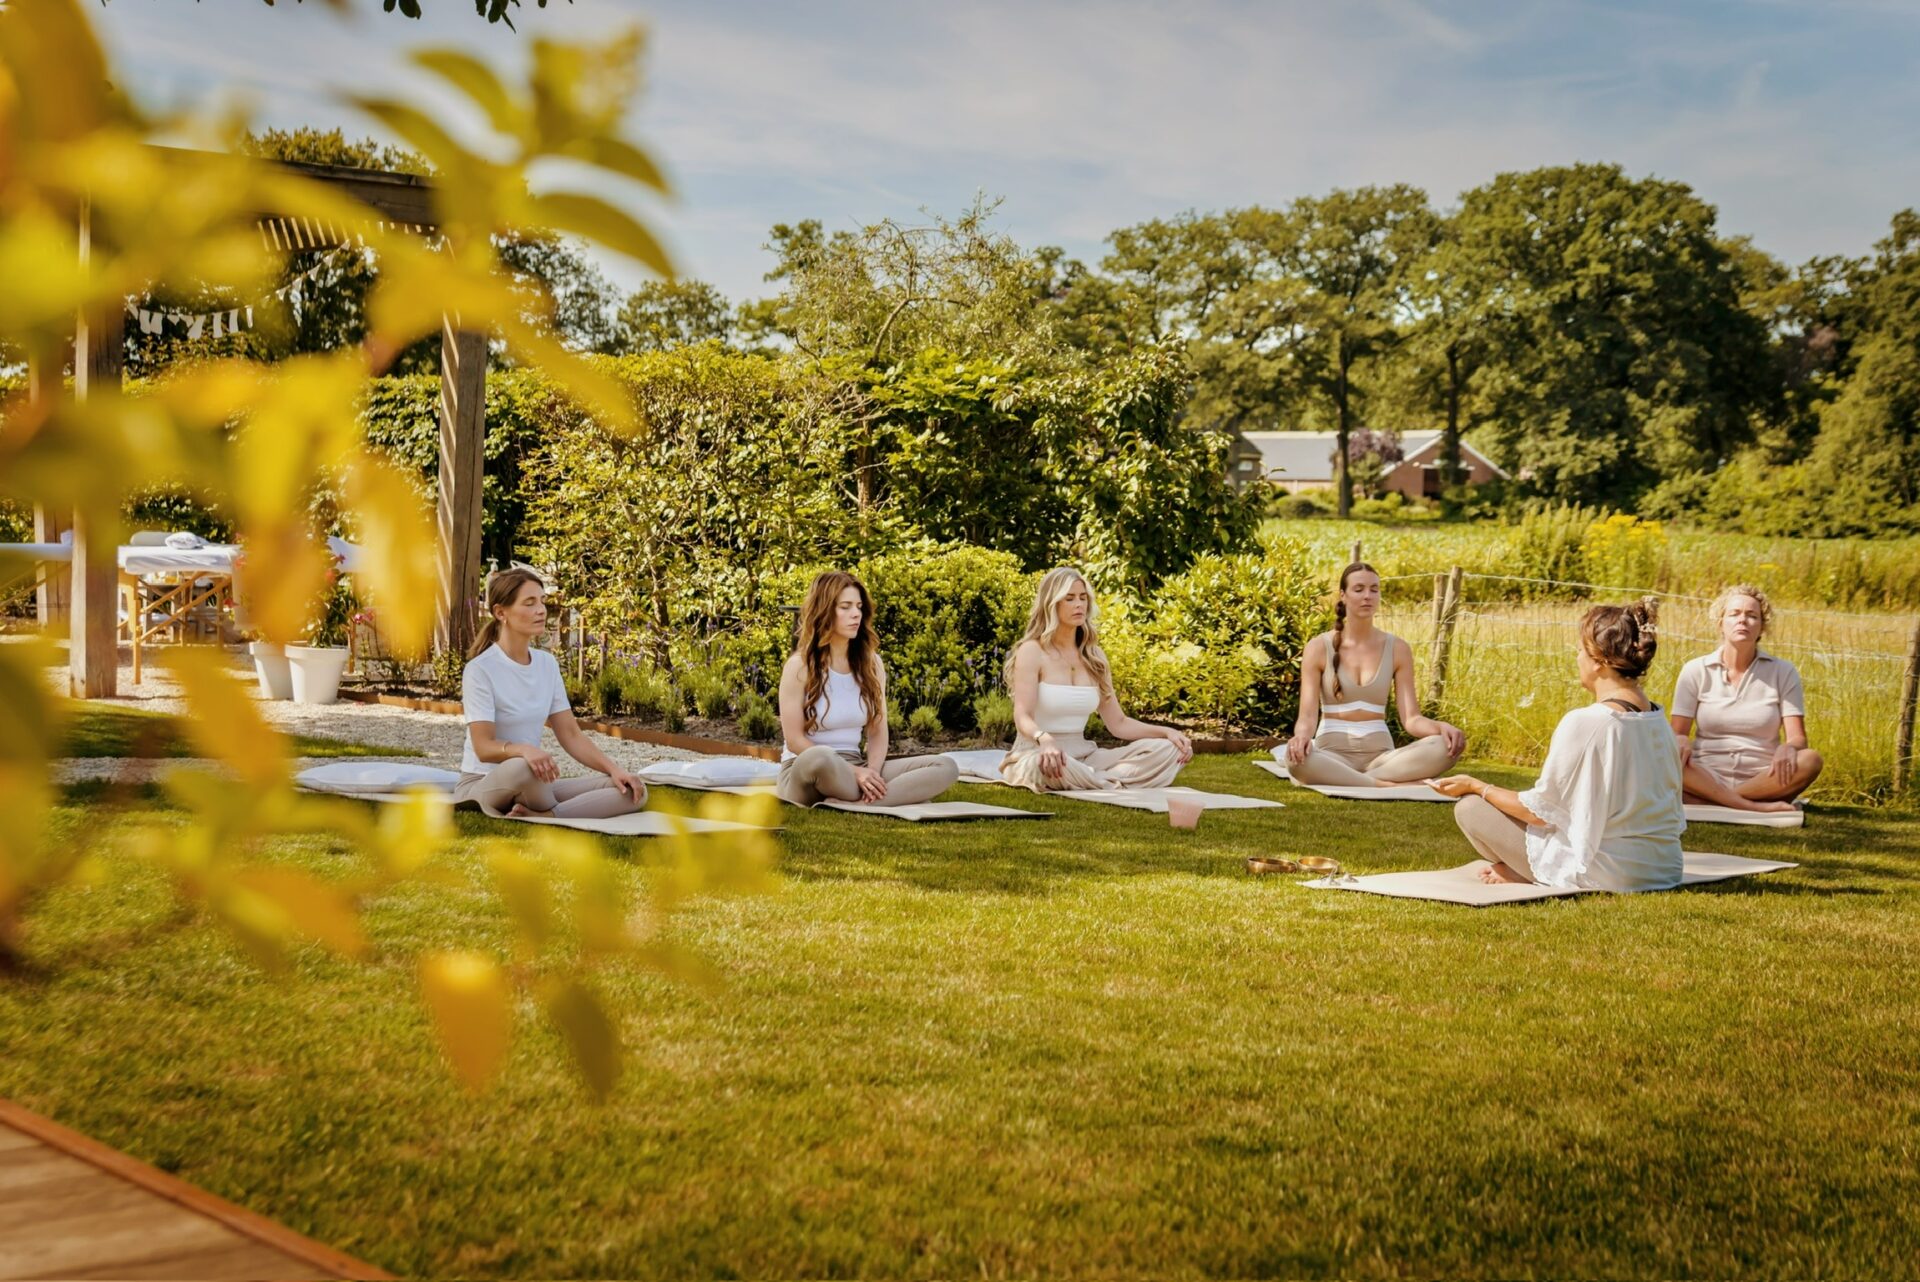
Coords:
pixel 227 321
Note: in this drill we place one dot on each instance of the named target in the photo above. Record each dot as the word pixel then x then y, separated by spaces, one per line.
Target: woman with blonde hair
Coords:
pixel 1059 678
pixel 1746 712
pixel 833 690
pixel 1605 813
pixel 1341 736
pixel 509 692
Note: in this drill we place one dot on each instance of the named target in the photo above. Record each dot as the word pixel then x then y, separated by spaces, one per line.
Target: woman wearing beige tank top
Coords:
pixel 1341 737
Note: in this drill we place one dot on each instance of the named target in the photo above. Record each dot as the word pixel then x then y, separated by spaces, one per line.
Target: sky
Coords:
pixel 1796 120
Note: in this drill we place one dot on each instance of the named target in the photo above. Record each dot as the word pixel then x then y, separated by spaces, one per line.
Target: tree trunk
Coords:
pixel 1451 472
pixel 1343 427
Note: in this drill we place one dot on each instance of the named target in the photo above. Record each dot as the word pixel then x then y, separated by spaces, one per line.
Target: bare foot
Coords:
pixel 1500 874
pixel 1740 803
pixel 521 812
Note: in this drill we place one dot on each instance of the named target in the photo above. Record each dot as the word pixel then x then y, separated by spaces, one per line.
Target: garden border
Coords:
pixel 714 747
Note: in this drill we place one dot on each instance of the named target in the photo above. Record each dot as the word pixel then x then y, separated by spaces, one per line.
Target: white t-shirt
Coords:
pixel 840 715
pixel 1610 794
pixel 517 698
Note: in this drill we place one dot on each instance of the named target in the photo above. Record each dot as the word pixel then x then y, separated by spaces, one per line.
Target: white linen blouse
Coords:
pixel 1609 793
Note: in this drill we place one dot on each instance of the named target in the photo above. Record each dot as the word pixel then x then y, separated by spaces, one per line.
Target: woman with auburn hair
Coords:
pixel 832 690
pixel 509 692
pixel 1747 712
pixel 1341 736
pixel 1605 813
pixel 1059 678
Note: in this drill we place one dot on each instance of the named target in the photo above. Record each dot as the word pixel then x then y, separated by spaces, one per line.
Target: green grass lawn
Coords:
pixel 96 731
pixel 1091 1046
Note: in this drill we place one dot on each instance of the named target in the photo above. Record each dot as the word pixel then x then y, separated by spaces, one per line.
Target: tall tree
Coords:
pixel 1618 350
pixel 673 313
pixel 1353 253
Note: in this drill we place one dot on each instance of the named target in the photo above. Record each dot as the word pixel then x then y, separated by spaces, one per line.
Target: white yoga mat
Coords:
pixel 1755 818
pixel 1155 799
pixel 1387 792
pixel 387 781
pixel 1462 885
pixel 937 811
pixel 643 823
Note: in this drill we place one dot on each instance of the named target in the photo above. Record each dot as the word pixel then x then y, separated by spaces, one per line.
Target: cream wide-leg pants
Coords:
pixel 1144 763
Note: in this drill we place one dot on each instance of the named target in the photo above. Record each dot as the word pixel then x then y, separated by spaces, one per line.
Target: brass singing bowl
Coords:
pixel 1321 864
pixel 1260 864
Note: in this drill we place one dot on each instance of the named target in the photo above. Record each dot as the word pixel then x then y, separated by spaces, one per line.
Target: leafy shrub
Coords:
pixel 710 691
pixel 924 724
pixel 1624 551
pixel 757 718
pixel 446 672
pixel 673 717
pixel 1301 505
pixel 645 691
pixel 1221 641
pixel 1548 543
pixel 605 695
pixel 993 716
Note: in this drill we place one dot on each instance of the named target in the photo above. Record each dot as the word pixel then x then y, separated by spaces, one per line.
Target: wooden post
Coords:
pixel 463 430
pixel 52 583
pixel 1355 559
pixel 93 659
pixel 1443 639
pixel 1909 690
pixel 1439 602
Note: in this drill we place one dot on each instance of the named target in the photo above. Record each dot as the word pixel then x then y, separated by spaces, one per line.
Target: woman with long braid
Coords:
pixel 1341 737
pixel 833 689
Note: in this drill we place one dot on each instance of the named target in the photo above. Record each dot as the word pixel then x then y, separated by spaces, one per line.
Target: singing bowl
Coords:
pixel 1258 864
pixel 1321 864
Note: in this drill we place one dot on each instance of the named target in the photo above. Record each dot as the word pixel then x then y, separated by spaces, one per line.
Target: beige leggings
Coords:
pixel 512 783
pixel 826 774
pixel 1144 763
pixel 1371 760
pixel 1497 836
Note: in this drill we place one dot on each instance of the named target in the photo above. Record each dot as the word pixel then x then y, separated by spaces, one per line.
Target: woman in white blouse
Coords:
pixel 1606 812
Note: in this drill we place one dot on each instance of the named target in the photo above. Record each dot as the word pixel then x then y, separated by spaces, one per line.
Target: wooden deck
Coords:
pixel 73 1208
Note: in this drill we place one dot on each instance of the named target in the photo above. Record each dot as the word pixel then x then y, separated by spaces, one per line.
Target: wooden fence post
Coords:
pixel 1909 689
pixel 1439 602
pixel 1443 639
pixel 1356 553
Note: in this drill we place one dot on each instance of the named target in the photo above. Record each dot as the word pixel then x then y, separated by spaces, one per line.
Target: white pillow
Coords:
pixel 978 763
pixel 712 772
pixel 353 777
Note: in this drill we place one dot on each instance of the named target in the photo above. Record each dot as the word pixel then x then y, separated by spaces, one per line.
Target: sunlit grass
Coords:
pixel 96 731
pixel 1091 1045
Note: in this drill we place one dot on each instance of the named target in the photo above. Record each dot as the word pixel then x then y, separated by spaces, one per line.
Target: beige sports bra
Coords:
pixel 1353 697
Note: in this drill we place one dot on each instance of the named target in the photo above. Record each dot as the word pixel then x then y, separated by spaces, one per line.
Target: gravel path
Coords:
pixel 437 736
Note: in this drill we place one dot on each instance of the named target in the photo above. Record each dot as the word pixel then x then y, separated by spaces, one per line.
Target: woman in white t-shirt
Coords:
pixel 509 693
pixel 1605 813
pixel 833 689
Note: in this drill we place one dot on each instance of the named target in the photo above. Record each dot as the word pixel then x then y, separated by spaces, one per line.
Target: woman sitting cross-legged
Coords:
pixel 509 692
pixel 1342 736
pixel 1747 713
pixel 832 689
pixel 1059 678
pixel 1605 813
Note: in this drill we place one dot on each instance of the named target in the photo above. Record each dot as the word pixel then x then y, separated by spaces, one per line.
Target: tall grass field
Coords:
pixel 1510 675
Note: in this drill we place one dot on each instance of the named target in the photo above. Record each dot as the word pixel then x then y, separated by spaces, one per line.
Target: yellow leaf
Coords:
pixel 315 909
pixel 421 132
pixel 413 831
pixel 523 886
pixel 582 1020
pixel 476 80
pixel 600 221
pixel 472 1009
pixel 621 157
pixel 224 723
pixel 399 573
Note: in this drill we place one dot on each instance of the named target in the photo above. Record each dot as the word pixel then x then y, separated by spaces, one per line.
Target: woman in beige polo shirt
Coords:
pixel 1747 712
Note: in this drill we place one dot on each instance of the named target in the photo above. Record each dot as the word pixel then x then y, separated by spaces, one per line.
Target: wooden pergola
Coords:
pixel 88 603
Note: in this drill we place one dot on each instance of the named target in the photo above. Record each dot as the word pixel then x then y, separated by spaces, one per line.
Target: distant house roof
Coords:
pixel 1308 456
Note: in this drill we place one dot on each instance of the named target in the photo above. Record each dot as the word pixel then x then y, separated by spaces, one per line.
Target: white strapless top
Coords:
pixel 1064 709
pixel 841 715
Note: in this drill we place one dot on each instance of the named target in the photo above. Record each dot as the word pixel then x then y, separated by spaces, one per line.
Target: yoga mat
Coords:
pixel 1755 818
pixel 1462 885
pixel 1420 792
pixel 642 823
pixel 937 811
pixel 359 778
pixel 1389 792
pixel 1155 799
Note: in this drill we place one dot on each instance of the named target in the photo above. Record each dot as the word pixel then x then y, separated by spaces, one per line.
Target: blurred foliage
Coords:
pixel 253 442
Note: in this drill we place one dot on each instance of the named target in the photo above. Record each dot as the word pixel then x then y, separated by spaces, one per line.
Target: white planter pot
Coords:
pixel 316 672
pixel 270 665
